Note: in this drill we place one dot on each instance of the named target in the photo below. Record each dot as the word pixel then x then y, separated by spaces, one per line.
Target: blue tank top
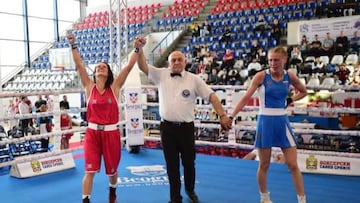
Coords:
pixel 273 93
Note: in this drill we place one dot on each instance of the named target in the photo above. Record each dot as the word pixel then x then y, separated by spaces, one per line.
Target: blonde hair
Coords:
pixel 280 50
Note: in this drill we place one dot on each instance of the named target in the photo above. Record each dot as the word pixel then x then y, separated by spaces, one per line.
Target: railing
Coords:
pixel 165 43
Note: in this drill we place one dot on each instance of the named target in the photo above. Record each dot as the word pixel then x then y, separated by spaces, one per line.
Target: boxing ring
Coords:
pixel 310 161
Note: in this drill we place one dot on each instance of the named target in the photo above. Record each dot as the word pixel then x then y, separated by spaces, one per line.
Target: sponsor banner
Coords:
pixel 134 128
pixel 349 24
pixel 320 162
pixel 134 116
pixel 43 166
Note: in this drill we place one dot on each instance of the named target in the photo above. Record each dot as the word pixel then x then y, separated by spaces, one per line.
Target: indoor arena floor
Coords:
pixel 219 180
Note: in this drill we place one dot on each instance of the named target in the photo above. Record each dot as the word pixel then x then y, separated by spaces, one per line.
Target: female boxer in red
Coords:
pixel 102 136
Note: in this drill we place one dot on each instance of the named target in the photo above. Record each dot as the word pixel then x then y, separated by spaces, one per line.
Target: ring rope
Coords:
pixel 251 128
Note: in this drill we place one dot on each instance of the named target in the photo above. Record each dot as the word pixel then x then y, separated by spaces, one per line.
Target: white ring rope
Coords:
pixel 26 158
pixel 252 128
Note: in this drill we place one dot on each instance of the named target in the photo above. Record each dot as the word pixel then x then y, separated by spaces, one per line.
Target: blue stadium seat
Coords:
pixel 297 15
pixel 312 5
pixel 308 14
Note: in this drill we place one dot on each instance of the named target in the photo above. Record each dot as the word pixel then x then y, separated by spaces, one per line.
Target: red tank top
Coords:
pixel 102 108
pixel 65 122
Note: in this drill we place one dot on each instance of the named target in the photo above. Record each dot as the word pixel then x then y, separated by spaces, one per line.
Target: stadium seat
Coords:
pixel 325 60
pixel 313 82
pixel 352 59
pixel 337 59
pixel 328 82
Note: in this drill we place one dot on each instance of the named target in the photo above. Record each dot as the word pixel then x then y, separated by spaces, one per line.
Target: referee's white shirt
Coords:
pixel 177 95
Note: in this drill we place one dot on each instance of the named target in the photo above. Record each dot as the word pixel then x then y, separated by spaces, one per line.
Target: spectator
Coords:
pixel 276 33
pixel 226 37
pixel 233 77
pixel 356 76
pixel 203 75
pixel 39 102
pixel 254 49
pixel 11 112
pixel 260 25
pixel 304 46
pixel 328 45
pixel 213 77
pixel 355 43
pixel 228 60
pixel 315 49
pixel 342 73
pixel 50 103
pixel 64 103
pixel 65 124
pixel 45 125
pixel 253 67
pixel 195 29
pixel 205 29
pixel 24 109
pixel 261 57
pixel 341 44
pixel 295 57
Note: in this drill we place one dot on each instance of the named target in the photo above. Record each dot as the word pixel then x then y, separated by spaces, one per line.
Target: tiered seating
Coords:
pixel 135 15
pixel 185 8
pixel 181 12
pixel 139 14
pixel 241 17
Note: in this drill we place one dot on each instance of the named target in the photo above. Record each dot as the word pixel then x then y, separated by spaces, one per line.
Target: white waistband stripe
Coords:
pixel 110 127
pixel 272 111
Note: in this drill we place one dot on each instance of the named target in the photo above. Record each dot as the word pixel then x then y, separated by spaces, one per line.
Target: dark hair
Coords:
pixel 110 78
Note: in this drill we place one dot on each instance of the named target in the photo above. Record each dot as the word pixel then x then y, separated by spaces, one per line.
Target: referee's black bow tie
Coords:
pixel 175 74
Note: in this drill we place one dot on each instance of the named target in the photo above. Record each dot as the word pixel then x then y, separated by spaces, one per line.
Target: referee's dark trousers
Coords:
pixel 178 141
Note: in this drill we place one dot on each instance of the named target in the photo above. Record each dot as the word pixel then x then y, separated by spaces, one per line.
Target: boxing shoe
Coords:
pixel 112 195
pixel 192 196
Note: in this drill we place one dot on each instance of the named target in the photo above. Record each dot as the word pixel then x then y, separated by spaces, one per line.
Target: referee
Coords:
pixel 178 90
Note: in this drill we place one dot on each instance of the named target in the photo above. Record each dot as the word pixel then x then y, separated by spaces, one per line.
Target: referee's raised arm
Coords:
pixel 141 60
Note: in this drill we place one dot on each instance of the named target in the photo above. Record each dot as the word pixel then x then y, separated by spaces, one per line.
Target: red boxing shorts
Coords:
pixel 102 143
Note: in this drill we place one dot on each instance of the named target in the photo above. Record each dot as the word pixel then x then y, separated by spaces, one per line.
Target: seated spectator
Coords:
pixel 234 77
pixel 318 66
pixel 253 67
pixel 356 76
pixel 341 44
pixel 189 61
pixel 342 74
pixel 223 76
pixel 195 29
pixel 328 45
pixel 44 125
pixel 276 31
pixel 295 57
pixel 261 57
pixel 254 49
pixel 201 67
pixel 203 75
pixel 226 37
pixel 213 77
pixel 355 43
pixel 304 46
pixel 315 47
pixel 205 29
pixel 260 25
pixel 228 60
pixel 65 124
